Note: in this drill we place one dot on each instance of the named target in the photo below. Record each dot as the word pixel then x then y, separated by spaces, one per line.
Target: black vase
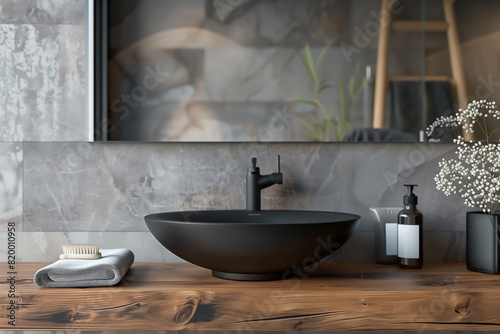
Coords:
pixel 483 250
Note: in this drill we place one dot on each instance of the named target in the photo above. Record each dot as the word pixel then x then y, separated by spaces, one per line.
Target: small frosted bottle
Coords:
pixel 410 232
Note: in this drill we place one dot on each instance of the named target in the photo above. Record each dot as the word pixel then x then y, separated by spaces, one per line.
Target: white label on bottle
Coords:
pixel 391 239
pixel 408 241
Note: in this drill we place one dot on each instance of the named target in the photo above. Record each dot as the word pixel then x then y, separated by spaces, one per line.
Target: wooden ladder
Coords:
pixel 382 81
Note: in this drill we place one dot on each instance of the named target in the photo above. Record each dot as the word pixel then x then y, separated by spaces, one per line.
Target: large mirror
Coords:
pixel 290 70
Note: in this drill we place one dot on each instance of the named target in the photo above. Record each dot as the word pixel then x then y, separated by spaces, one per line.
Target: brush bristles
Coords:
pixel 81 249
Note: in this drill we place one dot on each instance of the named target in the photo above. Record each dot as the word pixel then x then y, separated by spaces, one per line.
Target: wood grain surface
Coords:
pixel 331 296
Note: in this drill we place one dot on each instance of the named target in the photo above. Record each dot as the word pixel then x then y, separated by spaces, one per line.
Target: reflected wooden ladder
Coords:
pixel 382 81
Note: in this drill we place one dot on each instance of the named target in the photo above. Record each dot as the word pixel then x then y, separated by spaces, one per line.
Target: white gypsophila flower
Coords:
pixel 466 118
pixel 475 175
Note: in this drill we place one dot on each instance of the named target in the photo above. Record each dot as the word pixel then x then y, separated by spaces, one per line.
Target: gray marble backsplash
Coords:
pixel 109 187
pixel 99 192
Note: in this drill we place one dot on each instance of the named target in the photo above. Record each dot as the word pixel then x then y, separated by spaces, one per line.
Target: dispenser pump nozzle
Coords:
pixel 410 198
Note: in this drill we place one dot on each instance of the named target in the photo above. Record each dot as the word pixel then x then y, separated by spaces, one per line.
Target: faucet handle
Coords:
pixel 277 163
pixel 253 168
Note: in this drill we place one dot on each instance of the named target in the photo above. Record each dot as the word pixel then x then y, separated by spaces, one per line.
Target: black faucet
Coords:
pixel 257 182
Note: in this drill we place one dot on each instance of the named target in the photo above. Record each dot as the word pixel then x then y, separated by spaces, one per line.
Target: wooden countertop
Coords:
pixel 336 296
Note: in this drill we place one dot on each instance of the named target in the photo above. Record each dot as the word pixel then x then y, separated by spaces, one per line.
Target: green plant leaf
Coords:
pixel 315 129
pixel 323 84
pixel 343 110
pixel 316 138
pixel 323 51
pixel 304 101
pixel 338 135
pixel 352 88
pixel 356 77
pixel 309 64
pixel 313 118
pixel 307 125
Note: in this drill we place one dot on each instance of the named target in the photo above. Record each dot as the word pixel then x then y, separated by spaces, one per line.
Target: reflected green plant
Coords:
pixel 329 125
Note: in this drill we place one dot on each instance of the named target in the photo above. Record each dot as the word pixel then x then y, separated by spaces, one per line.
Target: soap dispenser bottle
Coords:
pixel 410 232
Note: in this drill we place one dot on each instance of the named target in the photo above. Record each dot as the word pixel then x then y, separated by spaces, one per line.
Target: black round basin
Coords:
pixel 252 245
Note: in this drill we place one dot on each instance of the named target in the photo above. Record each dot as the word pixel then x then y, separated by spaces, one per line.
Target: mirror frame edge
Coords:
pixel 97 68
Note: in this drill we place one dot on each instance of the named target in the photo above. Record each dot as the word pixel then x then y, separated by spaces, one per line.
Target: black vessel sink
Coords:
pixel 252 245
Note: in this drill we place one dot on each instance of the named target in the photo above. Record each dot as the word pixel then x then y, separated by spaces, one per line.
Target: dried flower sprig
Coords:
pixel 475 175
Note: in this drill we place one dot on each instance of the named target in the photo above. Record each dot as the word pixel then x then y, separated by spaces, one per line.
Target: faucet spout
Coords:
pixel 257 182
pixel 268 180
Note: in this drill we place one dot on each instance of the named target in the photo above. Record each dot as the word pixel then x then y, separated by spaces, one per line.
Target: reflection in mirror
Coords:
pixel 252 70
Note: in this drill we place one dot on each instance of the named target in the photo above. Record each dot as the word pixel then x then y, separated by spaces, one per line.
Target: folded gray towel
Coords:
pixel 70 273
